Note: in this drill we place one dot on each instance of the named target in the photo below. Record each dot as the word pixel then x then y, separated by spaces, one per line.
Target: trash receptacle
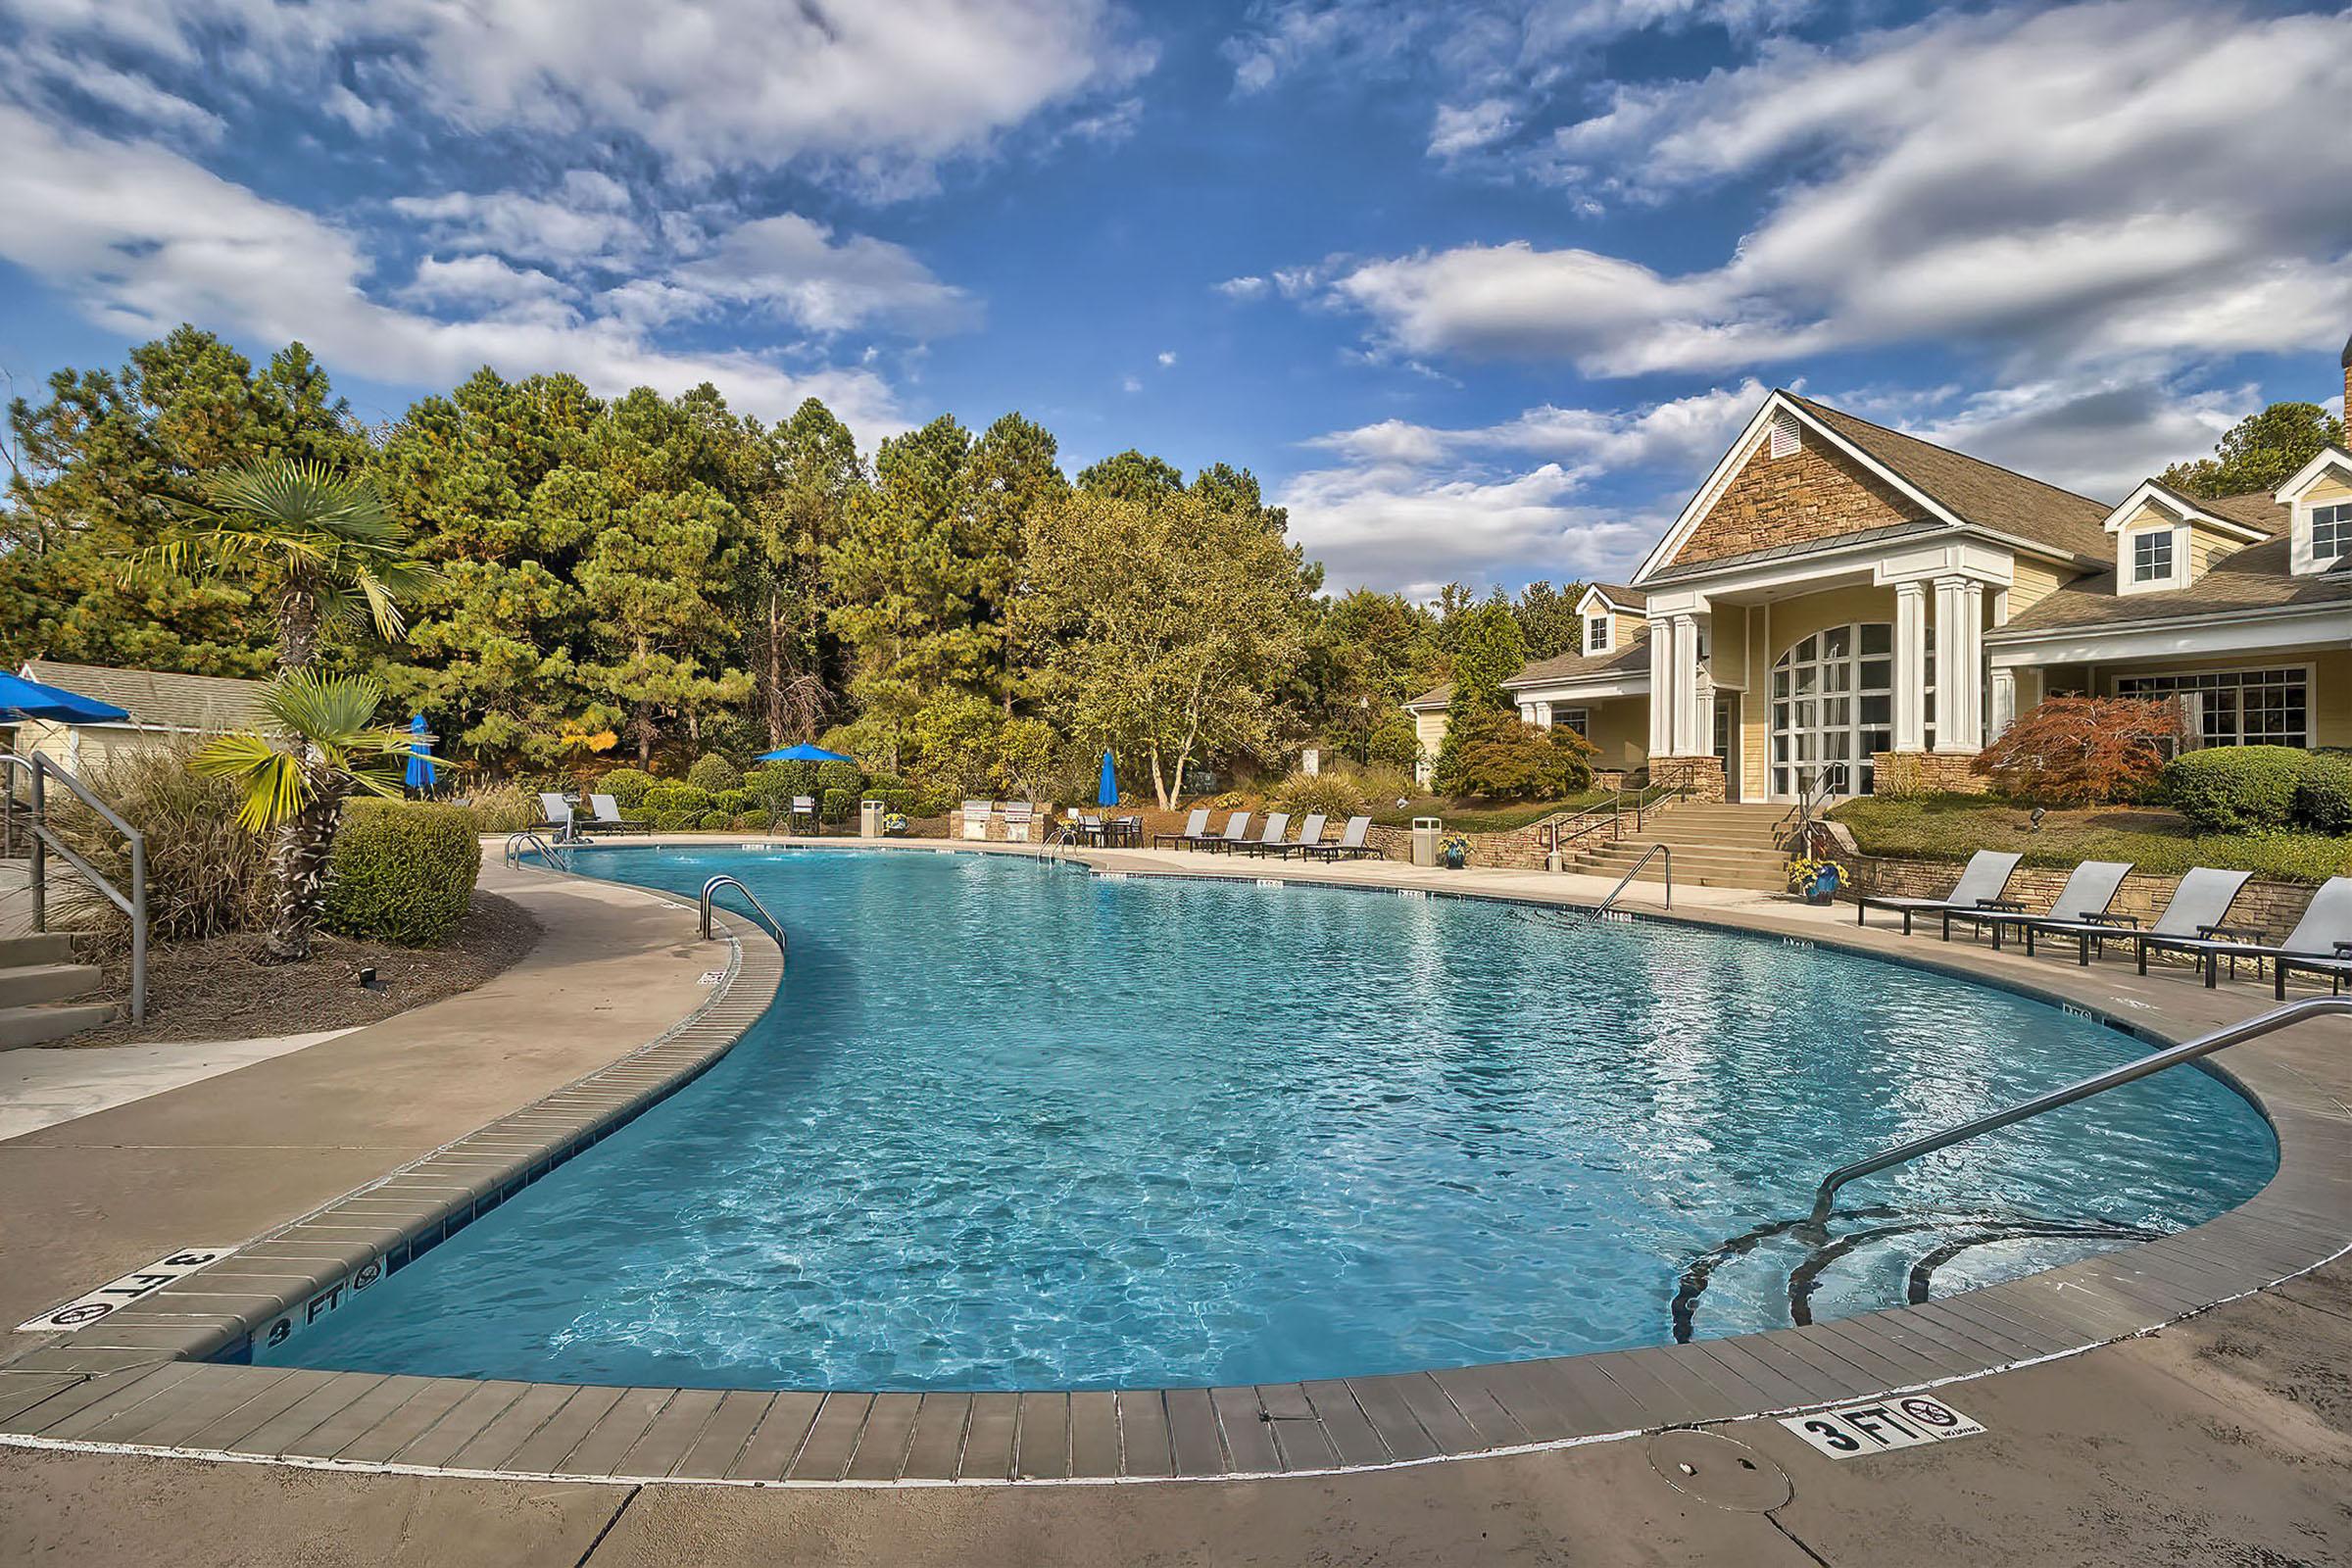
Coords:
pixel 1426 831
pixel 869 819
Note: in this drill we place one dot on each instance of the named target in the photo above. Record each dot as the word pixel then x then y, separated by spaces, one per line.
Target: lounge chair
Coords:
pixel 608 818
pixel 557 812
pixel 1310 837
pixel 1237 831
pixel 1988 872
pixel 2090 888
pixel 1196 828
pixel 1277 824
pixel 2320 942
pixel 2196 909
pixel 1350 844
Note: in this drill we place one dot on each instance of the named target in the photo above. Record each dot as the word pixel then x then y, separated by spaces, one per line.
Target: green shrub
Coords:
pixel 750 823
pixel 1395 742
pixel 2235 789
pixel 677 820
pixel 713 774
pixel 627 786
pixel 667 798
pixel 732 801
pixel 402 872
pixel 504 809
pixel 2324 794
pixel 838 805
pixel 1334 795
pixel 716 820
pixel 770 782
pixel 844 777
pixel 1499 757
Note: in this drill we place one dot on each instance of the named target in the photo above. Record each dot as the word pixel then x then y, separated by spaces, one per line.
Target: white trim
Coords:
pixel 1594 690
pixel 2152 493
pixel 1594 591
pixel 2308 475
pixel 2306 668
pixel 2128 580
pixel 2178 639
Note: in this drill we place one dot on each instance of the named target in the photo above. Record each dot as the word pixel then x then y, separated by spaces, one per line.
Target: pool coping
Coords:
pixel 163 1376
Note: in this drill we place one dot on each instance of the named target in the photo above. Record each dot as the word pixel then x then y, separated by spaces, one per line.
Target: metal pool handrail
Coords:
pixel 45 842
pixel 559 858
pixel 711 887
pixel 2155 1062
pixel 1667 850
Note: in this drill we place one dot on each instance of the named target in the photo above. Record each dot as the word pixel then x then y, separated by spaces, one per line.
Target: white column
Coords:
pixel 1543 715
pixel 1957 645
pixel 1972 668
pixel 2004 700
pixel 1686 688
pixel 1910 666
pixel 1662 687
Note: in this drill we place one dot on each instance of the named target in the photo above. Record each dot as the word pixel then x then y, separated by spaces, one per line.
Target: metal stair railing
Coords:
pixel 557 854
pixel 711 890
pixel 45 841
pixel 1795 828
pixel 1563 828
pixel 2276 1018
pixel 1648 854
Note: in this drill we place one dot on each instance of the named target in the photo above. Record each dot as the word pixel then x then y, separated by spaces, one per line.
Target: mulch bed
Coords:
pixel 220 990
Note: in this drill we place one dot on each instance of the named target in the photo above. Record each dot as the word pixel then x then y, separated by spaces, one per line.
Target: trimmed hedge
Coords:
pixel 732 801
pixel 838 806
pixel 402 872
pixel 627 786
pixel 677 821
pixel 716 820
pixel 713 774
pixel 847 778
pixel 668 798
pixel 2235 789
pixel 2323 795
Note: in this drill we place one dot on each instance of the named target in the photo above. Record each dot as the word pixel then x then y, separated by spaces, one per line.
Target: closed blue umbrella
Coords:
pixel 22 699
pixel 420 754
pixel 805 752
pixel 1108 792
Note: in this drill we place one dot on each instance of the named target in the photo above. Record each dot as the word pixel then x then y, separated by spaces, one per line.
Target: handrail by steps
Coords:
pixel 44 840
pixel 1800 819
pixel 1558 826
pixel 1667 850
pixel 711 890
pixel 2098 1083
pixel 556 855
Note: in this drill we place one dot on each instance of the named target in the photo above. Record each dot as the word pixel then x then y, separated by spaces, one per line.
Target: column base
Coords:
pixel 1706 775
pixel 1900 773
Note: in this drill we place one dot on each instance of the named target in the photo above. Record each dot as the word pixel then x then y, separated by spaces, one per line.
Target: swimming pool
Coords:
pixel 1012 1125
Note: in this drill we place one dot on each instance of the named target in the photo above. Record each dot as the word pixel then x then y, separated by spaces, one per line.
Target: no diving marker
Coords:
pixel 1855 1430
pixel 84 1310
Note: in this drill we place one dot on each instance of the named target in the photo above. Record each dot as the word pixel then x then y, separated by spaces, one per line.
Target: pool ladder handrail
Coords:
pixel 2205 1045
pixel 1667 850
pixel 711 890
pixel 560 858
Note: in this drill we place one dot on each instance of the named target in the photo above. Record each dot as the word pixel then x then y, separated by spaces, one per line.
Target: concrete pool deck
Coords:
pixel 2230 1428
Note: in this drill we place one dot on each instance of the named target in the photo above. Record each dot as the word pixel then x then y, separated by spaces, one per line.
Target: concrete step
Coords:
pixel 1730 853
pixel 54 1020
pixel 29 984
pixel 54 946
pixel 1687 878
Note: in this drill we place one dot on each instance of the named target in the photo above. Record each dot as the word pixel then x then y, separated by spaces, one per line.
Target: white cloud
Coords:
pixel 1397 527
pixel 1470 126
pixel 2102 179
pixel 1683 433
pixel 42 70
pixel 567 232
pixel 876 93
pixel 493 287
pixel 1131 384
pixel 1248 288
pixel 1167 358
pixel 797 269
pixel 142 239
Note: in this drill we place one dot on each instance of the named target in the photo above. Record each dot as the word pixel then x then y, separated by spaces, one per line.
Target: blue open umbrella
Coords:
pixel 805 752
pixel 1108 792
pixel 22 699
pixel 420 754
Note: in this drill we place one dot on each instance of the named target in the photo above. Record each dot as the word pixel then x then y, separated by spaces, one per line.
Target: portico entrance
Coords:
pixel 1832 706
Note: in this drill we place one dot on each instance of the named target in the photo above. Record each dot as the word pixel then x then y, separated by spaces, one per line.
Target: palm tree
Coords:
pixel 321 544
pixel 326 747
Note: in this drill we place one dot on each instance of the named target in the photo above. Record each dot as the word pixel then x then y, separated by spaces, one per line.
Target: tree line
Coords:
pixel 649 578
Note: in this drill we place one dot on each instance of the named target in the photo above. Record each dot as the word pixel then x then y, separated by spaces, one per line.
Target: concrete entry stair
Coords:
pixel 40 985
pixel 1715 846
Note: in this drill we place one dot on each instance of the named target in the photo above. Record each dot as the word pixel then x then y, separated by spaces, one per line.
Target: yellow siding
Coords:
pixel 2327 490
pixel 1727 642
pixel 2035 582
pixel 1618 728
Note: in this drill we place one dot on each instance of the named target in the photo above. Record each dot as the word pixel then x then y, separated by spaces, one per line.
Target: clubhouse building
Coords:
pixel 1846 608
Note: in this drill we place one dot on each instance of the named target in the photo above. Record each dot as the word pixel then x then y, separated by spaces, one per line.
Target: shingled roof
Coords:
pixel 208 704
pixel 1976 491
pixel 2253 578
pixel 1629 658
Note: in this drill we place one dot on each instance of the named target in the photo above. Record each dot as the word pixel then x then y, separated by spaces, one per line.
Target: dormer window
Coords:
pixel 2152 555
pixel 2331 532
pixel 1597 633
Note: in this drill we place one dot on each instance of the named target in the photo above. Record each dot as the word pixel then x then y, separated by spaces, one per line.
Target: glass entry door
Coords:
pixel 1832 704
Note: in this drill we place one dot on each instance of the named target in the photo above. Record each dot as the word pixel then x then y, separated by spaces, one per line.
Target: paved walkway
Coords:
pixel 2226 1438
pixel 43 1084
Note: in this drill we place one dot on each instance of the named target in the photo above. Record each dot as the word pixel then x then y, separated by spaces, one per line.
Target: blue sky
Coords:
pixel 1478 290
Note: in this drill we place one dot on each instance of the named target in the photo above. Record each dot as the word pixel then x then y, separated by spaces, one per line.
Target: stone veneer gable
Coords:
pixel 1808 495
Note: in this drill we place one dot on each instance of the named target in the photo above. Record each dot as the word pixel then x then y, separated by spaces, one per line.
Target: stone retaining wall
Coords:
pixel 1900 773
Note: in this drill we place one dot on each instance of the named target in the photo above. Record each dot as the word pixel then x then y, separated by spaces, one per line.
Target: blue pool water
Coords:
pixel 1010 1125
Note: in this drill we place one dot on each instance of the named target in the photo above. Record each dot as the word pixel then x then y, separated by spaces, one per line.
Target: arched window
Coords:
pixel 1832 702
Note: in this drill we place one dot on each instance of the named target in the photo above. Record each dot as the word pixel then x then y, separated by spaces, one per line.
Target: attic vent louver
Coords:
pixel 1784 436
